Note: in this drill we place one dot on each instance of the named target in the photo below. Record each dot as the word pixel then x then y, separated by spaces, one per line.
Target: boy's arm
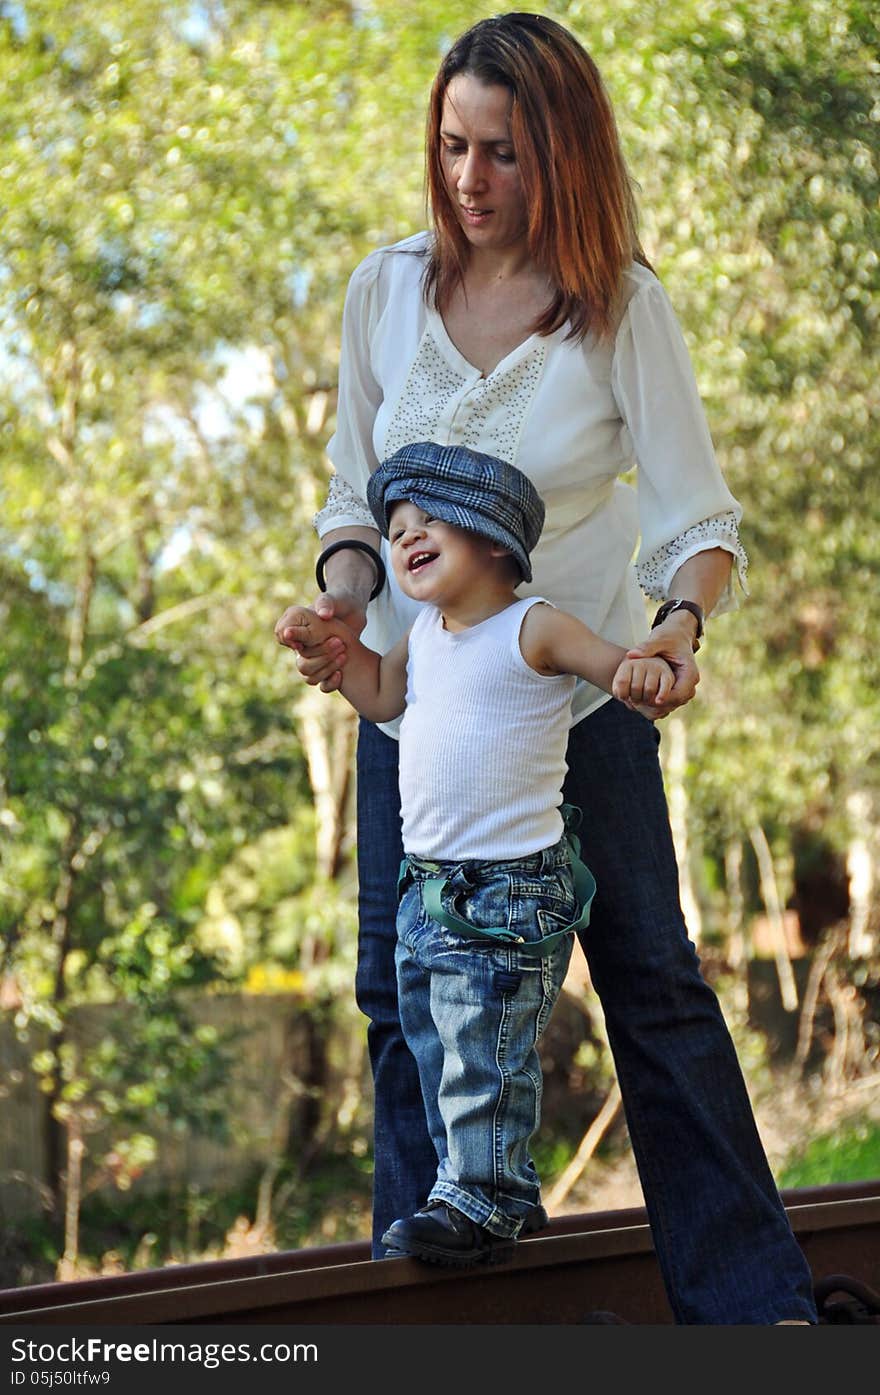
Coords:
pixel 374 684
pixel 552 641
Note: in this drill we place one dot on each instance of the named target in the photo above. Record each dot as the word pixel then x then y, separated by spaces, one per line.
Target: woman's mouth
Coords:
pixel 475 216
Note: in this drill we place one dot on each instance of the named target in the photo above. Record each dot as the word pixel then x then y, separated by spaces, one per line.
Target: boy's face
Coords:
pixel 435 561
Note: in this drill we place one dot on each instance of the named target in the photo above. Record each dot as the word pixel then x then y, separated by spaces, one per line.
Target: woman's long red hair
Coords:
pixel 582 213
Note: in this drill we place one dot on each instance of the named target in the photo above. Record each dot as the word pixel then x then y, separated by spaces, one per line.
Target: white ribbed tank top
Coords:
pixel 482 742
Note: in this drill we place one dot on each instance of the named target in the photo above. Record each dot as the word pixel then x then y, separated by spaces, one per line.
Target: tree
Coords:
pixel 187 189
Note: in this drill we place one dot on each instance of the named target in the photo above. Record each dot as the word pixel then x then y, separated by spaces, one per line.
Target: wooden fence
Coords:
pixel 265 1094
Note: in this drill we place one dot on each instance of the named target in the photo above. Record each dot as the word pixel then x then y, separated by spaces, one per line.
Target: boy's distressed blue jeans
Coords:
pixel 723 1241
pixel 472 1013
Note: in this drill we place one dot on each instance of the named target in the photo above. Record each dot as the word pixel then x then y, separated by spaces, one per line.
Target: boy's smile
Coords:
pixel 420 559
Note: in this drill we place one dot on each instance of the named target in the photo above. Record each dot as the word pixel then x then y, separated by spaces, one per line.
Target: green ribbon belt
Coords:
pixel 434 889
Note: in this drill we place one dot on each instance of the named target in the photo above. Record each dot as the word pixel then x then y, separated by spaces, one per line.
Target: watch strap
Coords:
pixel 676 603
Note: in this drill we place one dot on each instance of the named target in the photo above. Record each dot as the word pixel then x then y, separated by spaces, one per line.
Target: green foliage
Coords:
pixel 752 130
pixel 850 1154
pixel 186 190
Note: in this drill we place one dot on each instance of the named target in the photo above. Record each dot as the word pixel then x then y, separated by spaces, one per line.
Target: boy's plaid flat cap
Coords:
pixel 465 487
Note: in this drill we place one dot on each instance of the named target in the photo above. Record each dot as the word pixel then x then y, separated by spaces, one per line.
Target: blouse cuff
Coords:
pixel 656 573
pixel 343 509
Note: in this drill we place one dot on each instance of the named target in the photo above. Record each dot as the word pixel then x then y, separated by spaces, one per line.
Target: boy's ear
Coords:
pixel 499 550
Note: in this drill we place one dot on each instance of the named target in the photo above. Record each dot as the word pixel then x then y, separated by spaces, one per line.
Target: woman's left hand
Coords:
pixel 671 643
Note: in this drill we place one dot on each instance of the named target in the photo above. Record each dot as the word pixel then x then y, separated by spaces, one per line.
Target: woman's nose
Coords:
pixel 471 174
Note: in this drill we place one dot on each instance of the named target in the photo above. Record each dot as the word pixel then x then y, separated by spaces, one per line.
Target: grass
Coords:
pixel 849 1153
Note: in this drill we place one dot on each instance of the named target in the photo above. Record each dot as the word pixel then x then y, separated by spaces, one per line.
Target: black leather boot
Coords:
pixel 442 1235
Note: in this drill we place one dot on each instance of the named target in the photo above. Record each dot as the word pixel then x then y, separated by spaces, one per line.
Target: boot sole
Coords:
pixel 539 1221
pixel 450 1260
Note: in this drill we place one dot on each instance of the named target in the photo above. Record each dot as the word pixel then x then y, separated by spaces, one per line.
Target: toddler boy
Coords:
pixel 492 886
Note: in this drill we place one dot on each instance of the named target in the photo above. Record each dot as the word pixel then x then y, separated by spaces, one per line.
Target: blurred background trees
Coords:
pixel 186 188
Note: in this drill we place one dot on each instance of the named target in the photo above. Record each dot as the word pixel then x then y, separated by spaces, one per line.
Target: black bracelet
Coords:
pixel 358 547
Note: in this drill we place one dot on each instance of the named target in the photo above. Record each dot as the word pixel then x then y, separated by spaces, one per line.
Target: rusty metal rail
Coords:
pixel 578 1265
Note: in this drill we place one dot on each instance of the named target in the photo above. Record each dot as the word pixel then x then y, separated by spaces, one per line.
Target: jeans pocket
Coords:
pixel 551 921
pixel 483 904
pixel 549 906
pixel 554 966
pixel 413 923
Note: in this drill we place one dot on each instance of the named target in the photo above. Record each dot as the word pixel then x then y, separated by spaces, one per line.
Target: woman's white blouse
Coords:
pixel 574 417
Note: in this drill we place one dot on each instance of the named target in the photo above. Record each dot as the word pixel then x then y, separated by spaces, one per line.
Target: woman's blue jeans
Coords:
pixel 725 1248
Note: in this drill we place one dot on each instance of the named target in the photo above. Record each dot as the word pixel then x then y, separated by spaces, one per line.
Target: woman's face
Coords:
pixel 476 153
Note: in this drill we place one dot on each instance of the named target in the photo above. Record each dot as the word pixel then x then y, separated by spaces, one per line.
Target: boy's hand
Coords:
pixel 672 642
pixel 320 643
pixel 644 685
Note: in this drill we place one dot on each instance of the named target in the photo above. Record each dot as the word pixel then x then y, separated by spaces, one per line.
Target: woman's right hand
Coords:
pixel 676 647
pixel 321 664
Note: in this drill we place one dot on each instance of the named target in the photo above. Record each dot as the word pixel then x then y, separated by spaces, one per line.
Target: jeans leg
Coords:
pixel 405 1163
pixel 473 1016
pixel 723 1241
pixel 416 1020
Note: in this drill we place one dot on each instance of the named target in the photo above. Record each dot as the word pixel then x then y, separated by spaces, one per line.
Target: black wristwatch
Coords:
pixel 675 603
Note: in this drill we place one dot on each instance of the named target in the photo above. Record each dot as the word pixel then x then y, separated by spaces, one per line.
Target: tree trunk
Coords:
pixel 79 620
pixel 327 728
pixel 737 934
pixel 860 866
pixel 675 770
pixel 73 1198
pixel 145 603
pixel 818 969
pixel 64 448
pixel 773 906
pixel 587 1147
pixel 55 1146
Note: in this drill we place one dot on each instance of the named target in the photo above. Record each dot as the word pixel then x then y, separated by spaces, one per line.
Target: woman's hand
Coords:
pixel 673 642
pixel 321 664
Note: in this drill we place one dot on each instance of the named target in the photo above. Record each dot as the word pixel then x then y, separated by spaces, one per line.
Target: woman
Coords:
pixel 528 325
